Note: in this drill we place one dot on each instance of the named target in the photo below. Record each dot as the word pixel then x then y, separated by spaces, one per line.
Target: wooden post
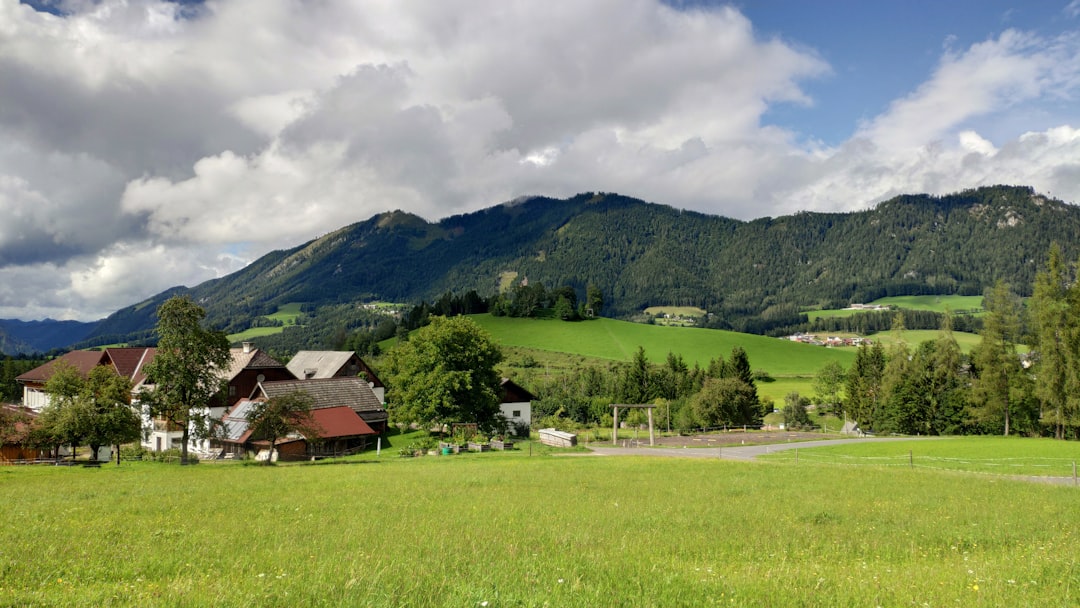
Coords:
pixel 615 427
pixel 650 428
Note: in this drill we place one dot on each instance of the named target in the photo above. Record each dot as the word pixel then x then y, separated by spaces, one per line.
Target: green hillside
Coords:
pixel 750 276
pixel 618 340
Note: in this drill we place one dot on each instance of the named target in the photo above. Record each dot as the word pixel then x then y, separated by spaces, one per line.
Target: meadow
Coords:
pixel 286 313
pixel 931 303
pixel 618 341
pixel 513 530
pixel 992 455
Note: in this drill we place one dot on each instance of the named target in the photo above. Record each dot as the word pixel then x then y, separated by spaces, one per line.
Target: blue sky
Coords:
pixel 146 144
pixel 881 51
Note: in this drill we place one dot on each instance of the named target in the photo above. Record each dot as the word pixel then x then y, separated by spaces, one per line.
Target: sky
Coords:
pixel 146 144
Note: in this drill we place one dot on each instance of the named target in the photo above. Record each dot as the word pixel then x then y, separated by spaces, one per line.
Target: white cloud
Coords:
pixel 137 146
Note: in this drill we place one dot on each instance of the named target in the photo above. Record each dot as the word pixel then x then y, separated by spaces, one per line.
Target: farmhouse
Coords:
pixel 249 366
pixel 340 431
pixel 353 393
pixel 321 364
pixel 516 405
pixel 127 362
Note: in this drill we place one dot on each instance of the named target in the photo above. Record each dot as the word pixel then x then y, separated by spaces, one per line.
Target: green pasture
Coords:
pixel 994 455
pixel 618 340
pixel 512 530
pixel 681 311
pixel 286 313
pixel 966 341
pixel 933 303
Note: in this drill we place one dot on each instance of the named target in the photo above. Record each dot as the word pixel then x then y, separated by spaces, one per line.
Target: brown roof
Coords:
pixel 252 359
pixel 131 362
pixel 328 392
pixel 340 421
pixel 82 360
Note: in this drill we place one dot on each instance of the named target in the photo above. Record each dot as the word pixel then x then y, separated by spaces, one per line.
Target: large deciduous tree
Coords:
pixel 279 416
pixel 93 409
pixel 186 373
pixel 446 373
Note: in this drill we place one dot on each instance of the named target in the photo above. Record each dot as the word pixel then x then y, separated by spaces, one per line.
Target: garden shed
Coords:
pixel 558 439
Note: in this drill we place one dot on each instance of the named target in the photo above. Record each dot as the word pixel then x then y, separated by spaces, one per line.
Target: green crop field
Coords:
pixel 512 530
pixel 618 340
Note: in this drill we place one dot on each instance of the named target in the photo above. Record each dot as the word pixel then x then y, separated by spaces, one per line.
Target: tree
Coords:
pixel 794 411
pixel 1053 327
pixel 92 409
pixel 995 360
pixel 864 384
pixel 637 381
pixel 280 416
pixel 445 373
pixel 594 299
pixel 827 385
pixel 186 373
pixel 726 402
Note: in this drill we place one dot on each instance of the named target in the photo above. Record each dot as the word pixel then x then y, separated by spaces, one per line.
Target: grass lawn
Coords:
pixel 510 530
pixel 618 340
pixel 996 455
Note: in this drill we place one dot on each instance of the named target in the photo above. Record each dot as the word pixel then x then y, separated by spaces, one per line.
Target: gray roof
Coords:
pixel 235 424
pixel 329 392
pixel 321 363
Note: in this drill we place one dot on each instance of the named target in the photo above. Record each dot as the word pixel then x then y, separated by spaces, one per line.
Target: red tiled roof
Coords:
pixel 82 360
pixel 340 421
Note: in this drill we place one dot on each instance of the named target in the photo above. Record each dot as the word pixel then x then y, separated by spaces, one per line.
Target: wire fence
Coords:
pixel 1029 466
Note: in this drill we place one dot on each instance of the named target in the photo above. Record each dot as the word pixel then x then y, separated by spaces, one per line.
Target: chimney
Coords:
pixel 247 347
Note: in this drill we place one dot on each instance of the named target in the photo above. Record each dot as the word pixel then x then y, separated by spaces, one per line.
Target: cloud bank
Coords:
pixel 148 144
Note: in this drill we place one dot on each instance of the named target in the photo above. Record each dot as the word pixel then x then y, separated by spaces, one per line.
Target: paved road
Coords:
pixel 734 452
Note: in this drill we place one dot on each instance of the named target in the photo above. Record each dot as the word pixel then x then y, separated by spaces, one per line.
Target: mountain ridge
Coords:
pixel 642 254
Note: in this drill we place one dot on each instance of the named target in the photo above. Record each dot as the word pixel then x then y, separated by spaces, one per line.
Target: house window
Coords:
pixel 517 413
pixel 232 391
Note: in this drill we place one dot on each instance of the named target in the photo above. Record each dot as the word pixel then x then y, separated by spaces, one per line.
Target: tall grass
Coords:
pixel 518 531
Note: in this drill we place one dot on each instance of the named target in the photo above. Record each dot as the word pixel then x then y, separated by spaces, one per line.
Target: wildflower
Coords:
pixel 560 581
pixel 975 587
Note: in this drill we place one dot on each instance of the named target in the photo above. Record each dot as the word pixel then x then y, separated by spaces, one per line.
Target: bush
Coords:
pixel 133 451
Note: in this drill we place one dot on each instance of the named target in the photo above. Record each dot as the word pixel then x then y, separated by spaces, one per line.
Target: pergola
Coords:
pixel 615 427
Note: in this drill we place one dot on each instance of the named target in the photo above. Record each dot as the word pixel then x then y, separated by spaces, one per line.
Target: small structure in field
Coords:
pixel 558 439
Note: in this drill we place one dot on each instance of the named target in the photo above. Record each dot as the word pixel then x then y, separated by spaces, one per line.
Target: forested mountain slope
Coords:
pixel 643 254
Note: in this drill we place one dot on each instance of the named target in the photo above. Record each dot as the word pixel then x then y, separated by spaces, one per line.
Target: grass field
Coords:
pixel 618 340
pixel 932 303
pixel 509 530
pixel 996 455
pixel 914 337
pixel 286 313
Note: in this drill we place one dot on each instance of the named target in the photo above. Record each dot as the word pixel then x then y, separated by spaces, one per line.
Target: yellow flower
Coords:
pixel 974 587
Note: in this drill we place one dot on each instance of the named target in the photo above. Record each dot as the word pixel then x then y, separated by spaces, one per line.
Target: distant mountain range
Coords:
pixel 642 254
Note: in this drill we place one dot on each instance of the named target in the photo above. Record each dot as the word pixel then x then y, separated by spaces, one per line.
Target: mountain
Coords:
pixel 40 336
pixel 643 254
